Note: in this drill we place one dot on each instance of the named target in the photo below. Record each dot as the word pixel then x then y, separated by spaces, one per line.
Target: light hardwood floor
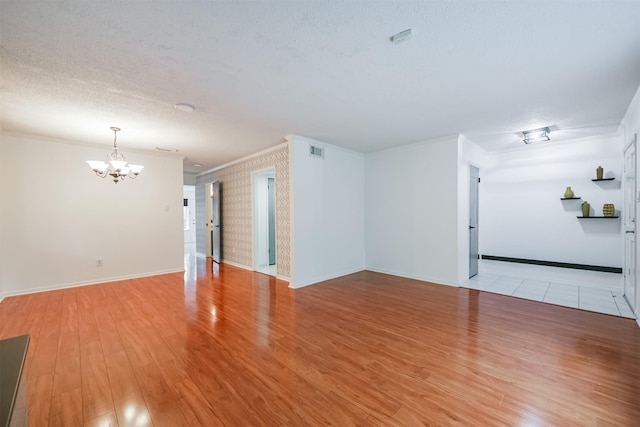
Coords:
pixel 231 347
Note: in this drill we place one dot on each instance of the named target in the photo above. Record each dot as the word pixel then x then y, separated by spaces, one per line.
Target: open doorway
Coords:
pixel 189 225
pixel 189 215
pixel 474 179
pixel 264 222
pixel 213 204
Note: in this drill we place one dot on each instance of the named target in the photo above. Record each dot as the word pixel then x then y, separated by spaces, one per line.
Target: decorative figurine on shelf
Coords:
pixel 599 172
pixel 586 208
pixel 608 209
pixel 568 193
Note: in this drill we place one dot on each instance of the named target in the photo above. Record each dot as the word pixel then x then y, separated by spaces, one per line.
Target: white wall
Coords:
pixel 328 231
pixel 189 179
pixel 411 205
pixel 469 154
pixel 58 218
pixel 522 215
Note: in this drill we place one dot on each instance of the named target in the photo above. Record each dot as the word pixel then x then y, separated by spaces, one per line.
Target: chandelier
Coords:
pixel 117 168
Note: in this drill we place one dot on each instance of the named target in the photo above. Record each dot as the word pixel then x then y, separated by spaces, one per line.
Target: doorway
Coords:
pixel 474 254
pixel 630 285
pixel 189 214
pixel 189 225
pixel 264 221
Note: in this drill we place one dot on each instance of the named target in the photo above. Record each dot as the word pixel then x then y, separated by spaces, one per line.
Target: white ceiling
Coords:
pixel 257 71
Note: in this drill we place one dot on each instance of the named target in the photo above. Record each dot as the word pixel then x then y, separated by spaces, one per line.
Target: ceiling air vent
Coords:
pixel 316 152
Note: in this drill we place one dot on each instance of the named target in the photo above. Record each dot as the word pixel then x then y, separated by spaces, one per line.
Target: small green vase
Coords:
pixel 599 172
pixel 568 193
pixel 586 208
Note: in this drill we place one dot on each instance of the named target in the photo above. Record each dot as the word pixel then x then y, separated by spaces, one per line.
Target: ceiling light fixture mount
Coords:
pixel 117 167
pixel 535 135
pixel 187 108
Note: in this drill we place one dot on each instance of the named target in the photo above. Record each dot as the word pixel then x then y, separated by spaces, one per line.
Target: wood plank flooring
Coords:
pixel 235 348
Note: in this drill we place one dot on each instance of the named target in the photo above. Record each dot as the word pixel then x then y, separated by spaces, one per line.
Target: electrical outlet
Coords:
pixel 99 262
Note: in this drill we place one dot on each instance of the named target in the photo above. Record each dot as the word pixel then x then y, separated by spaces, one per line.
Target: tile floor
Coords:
pixel 267 269
pixel 565 294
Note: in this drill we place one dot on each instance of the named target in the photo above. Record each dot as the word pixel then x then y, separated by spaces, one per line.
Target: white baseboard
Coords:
pixel 235 264
pixel 88 282
pixel 435 280
pixel 246 267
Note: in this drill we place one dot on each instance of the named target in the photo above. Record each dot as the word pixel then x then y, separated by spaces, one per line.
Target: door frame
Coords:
pixel 477 208
pixel 257 239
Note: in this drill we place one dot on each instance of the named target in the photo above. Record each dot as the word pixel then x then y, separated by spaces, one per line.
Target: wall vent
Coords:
pixel 316 151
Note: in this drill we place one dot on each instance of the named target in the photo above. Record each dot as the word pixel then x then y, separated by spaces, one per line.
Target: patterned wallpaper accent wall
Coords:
pixel 236 208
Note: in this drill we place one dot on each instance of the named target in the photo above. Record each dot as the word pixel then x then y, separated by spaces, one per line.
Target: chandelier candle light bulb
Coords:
pixel 117 168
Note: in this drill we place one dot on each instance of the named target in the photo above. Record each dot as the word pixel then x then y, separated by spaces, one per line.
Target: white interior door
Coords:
pixel 629 218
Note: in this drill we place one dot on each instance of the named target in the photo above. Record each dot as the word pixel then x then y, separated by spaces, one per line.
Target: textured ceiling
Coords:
pixel 257 71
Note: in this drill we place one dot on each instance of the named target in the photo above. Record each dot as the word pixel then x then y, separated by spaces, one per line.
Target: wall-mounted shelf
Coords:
pixel 579 198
